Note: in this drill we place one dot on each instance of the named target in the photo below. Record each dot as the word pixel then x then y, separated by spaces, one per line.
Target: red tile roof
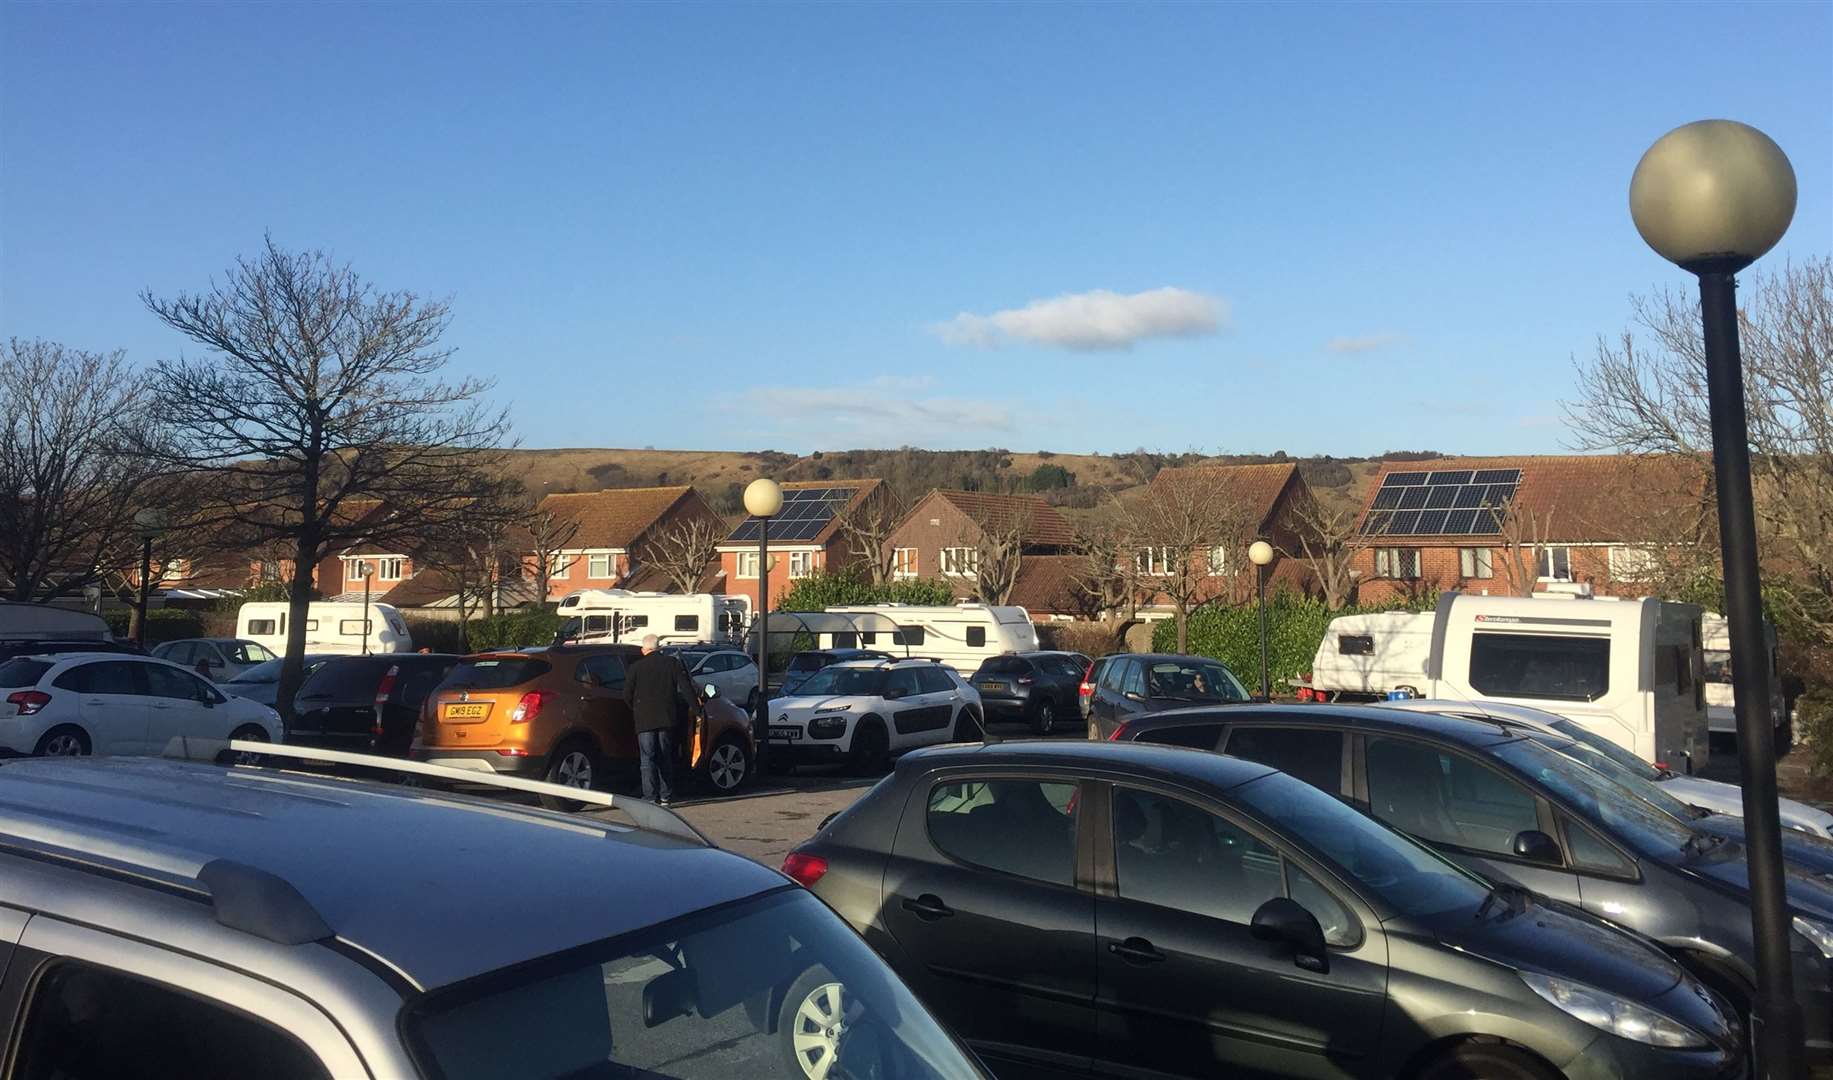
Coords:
pixel 1257 487
pixel 1043 525
pixel 615 517
pixel 1046 584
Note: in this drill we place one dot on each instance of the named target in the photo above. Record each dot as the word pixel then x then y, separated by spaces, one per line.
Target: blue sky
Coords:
pixel 758 226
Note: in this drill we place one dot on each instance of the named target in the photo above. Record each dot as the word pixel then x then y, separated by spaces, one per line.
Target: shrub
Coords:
pixel 1088 638
pixel 838 588
pixel 1049 477
pixel 1295 627
pixel 162 624
pixel 512 630
pixel 439 635
pixel 1814 732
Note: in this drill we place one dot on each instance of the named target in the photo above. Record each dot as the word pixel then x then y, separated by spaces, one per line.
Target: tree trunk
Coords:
pixel 299 602
pixel 1183 629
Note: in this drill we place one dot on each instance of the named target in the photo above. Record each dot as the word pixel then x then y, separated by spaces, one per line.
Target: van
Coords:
pixel 961 636
pixel 330 627
pixel 614 615
pixel 1721 715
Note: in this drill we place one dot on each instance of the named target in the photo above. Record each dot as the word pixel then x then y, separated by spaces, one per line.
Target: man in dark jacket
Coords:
pixel 652 688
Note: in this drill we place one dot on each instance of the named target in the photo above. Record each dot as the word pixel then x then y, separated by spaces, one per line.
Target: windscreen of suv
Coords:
pixel 865 682
pixel 694 999
pixel 1187 681
pixel 22 672
pixel 807 662
pixel 494 673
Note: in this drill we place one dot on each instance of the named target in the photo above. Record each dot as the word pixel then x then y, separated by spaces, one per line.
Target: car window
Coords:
pixel 163 681
pixel 605 670
pixel 106 677
pixel 247 652
pixel 902 681
pixel 21 672
pixel 494 673
pixel 180 652
pixel 417 682
pixel 933 680
pixel 1195 736
pixel 1312 755
pixel 1339 925
pixel 1446 798
pixel 864 682
pixel 807 662
pixel 1021 827
pixel 85 1021
pixel 1004 665
pixel 1190 680
pixel 1599 800
pixel 1171 854
pixel 1531 666
pixel 1133 678
pixel 1590 852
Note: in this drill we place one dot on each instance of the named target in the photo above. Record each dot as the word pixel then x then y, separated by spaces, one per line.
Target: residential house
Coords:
pixel 615 530
pixel 943 535
pixel 805 537
pixel 1515 525
pixel 1234 505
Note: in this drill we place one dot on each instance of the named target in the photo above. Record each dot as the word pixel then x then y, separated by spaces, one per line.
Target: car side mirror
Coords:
pixel 709 691
pixel 1536 846
pixel 669 995
pixel 1285 920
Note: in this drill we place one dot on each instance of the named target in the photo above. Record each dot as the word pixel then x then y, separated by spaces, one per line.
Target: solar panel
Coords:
pixel 1405 479
pixel 1405 522
pixel 1441 498
pixel 1448 502
pixel 1497 476
pixel 806 511
pixel 1460 522
pixel 1431 522
pixel 1413 498
pixel 1386 499
pixel 1455 476
pixel 1376 522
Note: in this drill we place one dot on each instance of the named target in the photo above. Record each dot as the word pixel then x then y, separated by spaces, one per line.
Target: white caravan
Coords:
pixel 1626 669
pixel 675 618
pixel 1715 634
pixel 43 622
pixel 329 627
pixel 960 636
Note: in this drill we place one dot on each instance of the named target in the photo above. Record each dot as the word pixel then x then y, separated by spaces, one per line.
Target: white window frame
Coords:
pixel 559 563
pixel 1476 563
pixel 960 562
pixel 1153 561
pixel 594 559
pixel 801 564
pixel 1544 552
pixel 904 563
pixel 1218 560
pixel 1632 563
pixel 746 569
pixel 1389 563
pixel 390 568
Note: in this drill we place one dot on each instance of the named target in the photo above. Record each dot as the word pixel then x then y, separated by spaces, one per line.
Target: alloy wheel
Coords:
pixel 726 766
pixel 1046 719
pixel 820 1023
pixel 245 757
pixel 63 745
pixel 574 770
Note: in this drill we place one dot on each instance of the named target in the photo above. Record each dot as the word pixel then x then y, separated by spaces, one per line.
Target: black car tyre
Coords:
pixel 571 764
pixel 245 733
pixel 968 727
pixel 1486 1061
pixel 871 749
pixel 64 740
pixel 1044 717
pixel 727 766
pixel 812 1021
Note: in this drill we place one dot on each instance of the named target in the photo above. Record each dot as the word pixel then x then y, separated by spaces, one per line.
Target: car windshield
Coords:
pixel 1185 680
pixel 1624 758
pixel 1602 801
pixel 494 673
pixel 1636 784
pixel 772 987
pixel 1407 875
pixel 866 682
pixel 807 662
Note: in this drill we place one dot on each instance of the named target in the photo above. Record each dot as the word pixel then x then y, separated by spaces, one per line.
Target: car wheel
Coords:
pixel 967 727
pixel 812 1022
pixel 571 765
pixel 1044 718
pixel 727 765
pixel 871 748
pixel 64 740
pixel 245 733
pixel 1486 1061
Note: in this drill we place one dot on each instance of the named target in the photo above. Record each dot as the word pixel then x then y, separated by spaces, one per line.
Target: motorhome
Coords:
pixel 330 627
pixel 961 635
pixel 1721 714
pixel 43 622
pixel 674 618
pixel 1627 669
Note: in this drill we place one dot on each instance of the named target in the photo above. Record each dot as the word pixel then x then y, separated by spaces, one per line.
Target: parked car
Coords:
pixel 261 683
pixel 559 715
pixel 70 704
pixel 804 664
pixel 215 658
pixel 1716 796
pixel 1513 810
pixel 733 672
pixel 36 647
pixel 1131 684
pixel 366 703
pixel 1036 688
pixel 176 919
pixel 1141 910
pixel 863 712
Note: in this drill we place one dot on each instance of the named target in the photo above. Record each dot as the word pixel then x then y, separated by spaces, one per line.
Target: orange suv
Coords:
pixel 558 715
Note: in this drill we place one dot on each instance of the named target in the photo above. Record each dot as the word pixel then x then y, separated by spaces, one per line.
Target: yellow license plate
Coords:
pixel 475 710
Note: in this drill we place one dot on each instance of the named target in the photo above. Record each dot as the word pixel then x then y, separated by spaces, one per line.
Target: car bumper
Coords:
pixel 806 751
pixel 1005 708
pixel 482 761
pixel 1612 1058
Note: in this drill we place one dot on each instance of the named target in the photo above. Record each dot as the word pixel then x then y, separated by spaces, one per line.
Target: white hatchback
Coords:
pixel 864 711
pixel 110 703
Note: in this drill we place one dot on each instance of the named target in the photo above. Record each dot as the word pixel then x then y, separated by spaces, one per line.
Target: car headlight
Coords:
pixel 1608 1012
pixel 1819 933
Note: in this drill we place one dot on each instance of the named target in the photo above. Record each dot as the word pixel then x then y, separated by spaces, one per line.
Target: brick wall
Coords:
pixel 936 524
pixel 834 556
pixel 1440 567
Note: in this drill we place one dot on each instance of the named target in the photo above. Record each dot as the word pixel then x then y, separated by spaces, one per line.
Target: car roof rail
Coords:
pixel 242 897
pixel 647 816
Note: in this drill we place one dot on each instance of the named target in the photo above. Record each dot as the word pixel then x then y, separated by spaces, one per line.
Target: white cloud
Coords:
pixel 885 411
pixel 1365 343
pixel 1091 320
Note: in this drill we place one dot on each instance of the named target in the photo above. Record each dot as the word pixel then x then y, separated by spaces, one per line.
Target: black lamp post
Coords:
pixel 1260 553
pixel 1712 197
pixel 763 500
pixel 148 524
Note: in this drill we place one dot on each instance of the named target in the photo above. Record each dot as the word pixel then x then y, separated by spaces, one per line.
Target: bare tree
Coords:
pixel 999 549
pixel 548 534
pixel 683 549
pixel 318 392
pixel 868 528
pixel 1103 578
pixel 471 551
pixel 1179 524
pixel 68 491
pixel 1645 392
pixel 1523 536
pixel 1329 543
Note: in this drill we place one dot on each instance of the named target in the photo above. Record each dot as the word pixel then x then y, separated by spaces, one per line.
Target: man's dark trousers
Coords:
pixel 657 749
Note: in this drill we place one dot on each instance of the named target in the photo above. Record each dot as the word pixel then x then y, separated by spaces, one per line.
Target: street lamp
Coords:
pixel 148 524
pixel 1712 197
pixel 362 571
pixel 763 500
pixel 1260 553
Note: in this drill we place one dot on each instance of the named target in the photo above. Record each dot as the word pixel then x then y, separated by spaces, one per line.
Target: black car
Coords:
pixel 1510 807
pixel 1075 907
pixel 366 703
pixel 1128 684
pixel 1038 688
pixel 262 682
pixel 806 663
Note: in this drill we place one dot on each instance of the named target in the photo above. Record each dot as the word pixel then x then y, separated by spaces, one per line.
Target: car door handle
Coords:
pixel 928 907
pixel 1135 950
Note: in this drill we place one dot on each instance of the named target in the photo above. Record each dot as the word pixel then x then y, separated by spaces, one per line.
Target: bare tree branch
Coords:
pixel 1329 543
pixel 683 549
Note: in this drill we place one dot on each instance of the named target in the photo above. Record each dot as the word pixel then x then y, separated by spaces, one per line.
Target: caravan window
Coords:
pixel 688 623
pixel 311 624
pixel 1718 666
pixel 598 624
pixel 977 637
pixel 845 639
pixel 1356 644
pixel 1529 666
pixel 909 635
pixel 354 626
pixel 262 627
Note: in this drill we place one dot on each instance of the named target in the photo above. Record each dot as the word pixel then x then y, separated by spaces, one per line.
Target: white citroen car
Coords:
pixel 118 704
pixel 863 712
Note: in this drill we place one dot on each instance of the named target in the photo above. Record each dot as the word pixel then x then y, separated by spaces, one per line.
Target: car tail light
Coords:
pixel 804 868
pixel 29 701
pixel 387 685
pixel 1087 689
pixel 529 707
pixel 1120 732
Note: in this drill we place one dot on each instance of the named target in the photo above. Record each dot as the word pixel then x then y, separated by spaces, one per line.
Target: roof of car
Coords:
pixel 399 872
pixel 1456 729
pixel 1139 759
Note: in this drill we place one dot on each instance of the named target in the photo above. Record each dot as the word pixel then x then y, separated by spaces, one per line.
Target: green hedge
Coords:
pixel 512 630
pixel 439 635
pixel 162 624
pixel 1814 732
pixel 846 587
pixel 1295 627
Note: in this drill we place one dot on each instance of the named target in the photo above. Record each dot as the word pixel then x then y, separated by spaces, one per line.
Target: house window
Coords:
pixel 558 564
pixel 1553 563
pixel 356 569
pixel 389 569
pixel 960 562
pixel 1153 562
pixel 1475 563
pixel 598 565
pixel 176 568
pixel 269 571
pixel 1218 560
pixel 1400 563
pixel 747 565
pixel 1631 564
pixel 904 563
pixel 801 564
